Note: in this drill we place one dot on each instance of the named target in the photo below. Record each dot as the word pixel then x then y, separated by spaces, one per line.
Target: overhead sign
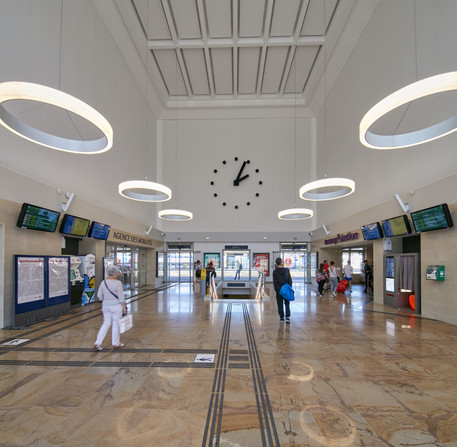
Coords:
pixel 342 238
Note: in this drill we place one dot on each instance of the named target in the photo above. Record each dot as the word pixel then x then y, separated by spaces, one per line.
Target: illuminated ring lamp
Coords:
pixel 175 215
pixel 10 91
pixel 327 186
pixel 144 191
pixel 295 214
pixel 428 86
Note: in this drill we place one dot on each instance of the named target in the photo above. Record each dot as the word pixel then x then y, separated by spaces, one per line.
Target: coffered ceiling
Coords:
pixel 220 51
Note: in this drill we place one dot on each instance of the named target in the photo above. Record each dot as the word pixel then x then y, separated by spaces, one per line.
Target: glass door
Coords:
pixel 298 262
pixel 179 266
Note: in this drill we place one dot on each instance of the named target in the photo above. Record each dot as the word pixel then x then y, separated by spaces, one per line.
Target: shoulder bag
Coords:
pixel 286 291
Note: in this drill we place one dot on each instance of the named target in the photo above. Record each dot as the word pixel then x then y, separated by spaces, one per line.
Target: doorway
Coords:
pixel 132 264
pixel 179 266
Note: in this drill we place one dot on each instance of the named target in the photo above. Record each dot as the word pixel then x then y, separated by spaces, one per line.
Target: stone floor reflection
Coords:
pixel 344 372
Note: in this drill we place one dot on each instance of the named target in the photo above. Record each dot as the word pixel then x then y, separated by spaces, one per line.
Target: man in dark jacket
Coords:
pixel 281 276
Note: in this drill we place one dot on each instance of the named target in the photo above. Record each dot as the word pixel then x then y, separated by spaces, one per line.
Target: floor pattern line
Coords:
pixel 266 416
pixel 214 417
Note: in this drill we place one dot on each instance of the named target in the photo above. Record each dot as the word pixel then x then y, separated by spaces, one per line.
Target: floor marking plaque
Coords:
pixel 204 358
pixel 15 342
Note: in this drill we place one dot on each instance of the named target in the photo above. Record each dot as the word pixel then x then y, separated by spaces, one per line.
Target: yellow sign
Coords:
pixel 203 274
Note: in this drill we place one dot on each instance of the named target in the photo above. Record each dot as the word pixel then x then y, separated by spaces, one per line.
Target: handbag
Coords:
pixel 286 291
pixel 125 323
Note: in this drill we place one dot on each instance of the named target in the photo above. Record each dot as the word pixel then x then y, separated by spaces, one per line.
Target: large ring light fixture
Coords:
pixel 144 191
pixel 175 215
pixel 428 86
pixel 295 214
pixel 327 189
pixel 10 91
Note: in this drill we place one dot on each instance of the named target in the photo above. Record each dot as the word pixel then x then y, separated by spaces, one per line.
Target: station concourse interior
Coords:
pixel 232 106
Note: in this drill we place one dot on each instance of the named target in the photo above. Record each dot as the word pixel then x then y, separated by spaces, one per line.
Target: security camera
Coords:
pixel 404 206
pixel 310 234
pixel 163 234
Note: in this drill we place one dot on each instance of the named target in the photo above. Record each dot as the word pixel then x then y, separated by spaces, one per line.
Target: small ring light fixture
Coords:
pixel 175 215
pixel 425 87
pixel 10 91
pixel 295 214
pixel 327 189
pixel 144 191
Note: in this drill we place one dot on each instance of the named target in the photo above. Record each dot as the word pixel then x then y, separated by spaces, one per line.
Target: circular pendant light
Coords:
pixel 295 214
pixel 176 215
pixel 144 191
pixel 327 189
pixel 10 91
pixel 428 86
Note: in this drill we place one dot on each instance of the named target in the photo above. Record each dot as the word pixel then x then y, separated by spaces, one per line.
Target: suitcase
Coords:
pixel 342 285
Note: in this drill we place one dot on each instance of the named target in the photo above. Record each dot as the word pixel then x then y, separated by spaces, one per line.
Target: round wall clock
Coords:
pixel 239 175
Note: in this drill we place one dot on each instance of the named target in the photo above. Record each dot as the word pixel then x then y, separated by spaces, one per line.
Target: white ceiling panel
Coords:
pixel 248 58
pixel 235 47
pixel 274 68
pixel 185 18
pixel 197 72
pixel 304 58
pixel 251 14
pixel 285 13
pixel 170 71
pixel 219 18
pixel 222 69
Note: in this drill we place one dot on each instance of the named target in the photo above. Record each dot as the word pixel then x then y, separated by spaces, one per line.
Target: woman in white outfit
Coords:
pixel 111 293
pixel 333 274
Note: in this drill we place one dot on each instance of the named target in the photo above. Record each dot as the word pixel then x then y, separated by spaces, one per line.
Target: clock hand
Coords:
pixel 237 180
pixel 243 178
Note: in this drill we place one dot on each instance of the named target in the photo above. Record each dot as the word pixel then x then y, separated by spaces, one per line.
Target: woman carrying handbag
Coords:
pixel 111 294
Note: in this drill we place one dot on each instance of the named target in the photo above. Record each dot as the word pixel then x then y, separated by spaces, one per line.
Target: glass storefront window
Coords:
pixel 356 256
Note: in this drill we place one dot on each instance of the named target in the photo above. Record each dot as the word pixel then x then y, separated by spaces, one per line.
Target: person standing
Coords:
pixel 281 276
pixel 239 266
pixel 321 276
pixel 348 270
pixel 111 294
pixel 368 272
pixel 333 275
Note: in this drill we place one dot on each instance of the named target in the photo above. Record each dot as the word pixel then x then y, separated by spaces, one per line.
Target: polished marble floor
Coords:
pixel 345 372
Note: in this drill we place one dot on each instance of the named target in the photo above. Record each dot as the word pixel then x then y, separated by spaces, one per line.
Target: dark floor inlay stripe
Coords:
pixel 239 351
pixel 239 358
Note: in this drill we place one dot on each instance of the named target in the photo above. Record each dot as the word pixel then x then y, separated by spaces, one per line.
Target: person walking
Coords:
pixel 348 270
pixel 281 276
pixel 111 294
pixel 239 266
pixel 333 276
pixel 198 274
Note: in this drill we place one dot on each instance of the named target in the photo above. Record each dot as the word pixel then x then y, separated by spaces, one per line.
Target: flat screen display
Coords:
pixel 37 218
pixel 99 231
pixel 396 226
pixel 74 226
pixel 372 231
pixel 434 218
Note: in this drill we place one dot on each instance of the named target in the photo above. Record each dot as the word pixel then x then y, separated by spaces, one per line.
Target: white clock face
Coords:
pixel 239 176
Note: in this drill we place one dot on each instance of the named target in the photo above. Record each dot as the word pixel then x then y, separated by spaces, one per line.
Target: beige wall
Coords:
pixel 439 300
pixel 437 248
pixel 29 242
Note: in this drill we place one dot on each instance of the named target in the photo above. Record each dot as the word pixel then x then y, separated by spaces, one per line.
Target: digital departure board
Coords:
pixel 434 218
pixel 35 217
pixel 396 226
pixel 99 231
pixel 74 226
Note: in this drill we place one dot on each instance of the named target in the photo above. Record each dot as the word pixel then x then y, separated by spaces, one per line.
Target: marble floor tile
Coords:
pixel 344 372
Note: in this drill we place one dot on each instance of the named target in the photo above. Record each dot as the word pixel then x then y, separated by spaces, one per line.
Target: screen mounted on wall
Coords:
pixel 99 231
pixel 74 226
pixel 37 218
pixel 372 231
pixel 434 218
pixel 396 226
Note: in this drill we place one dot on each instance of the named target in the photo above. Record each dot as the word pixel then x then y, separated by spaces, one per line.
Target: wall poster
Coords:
pixel 58 281
pixel 30 279
pixel 215 258
pixel 262 262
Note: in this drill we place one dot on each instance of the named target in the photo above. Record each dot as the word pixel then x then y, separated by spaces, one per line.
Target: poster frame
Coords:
pixel 264 256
